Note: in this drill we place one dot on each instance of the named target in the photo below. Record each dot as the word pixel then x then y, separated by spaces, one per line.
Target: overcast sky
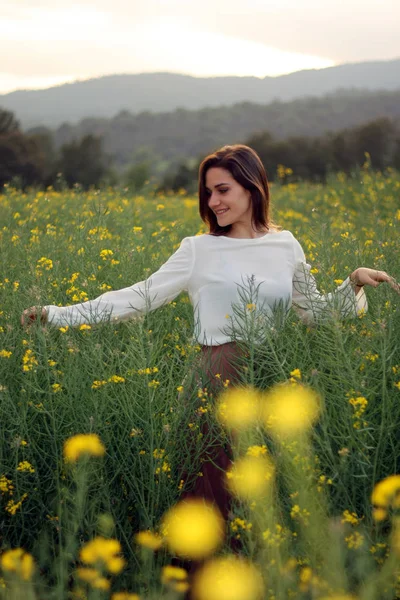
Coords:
pixel 43 43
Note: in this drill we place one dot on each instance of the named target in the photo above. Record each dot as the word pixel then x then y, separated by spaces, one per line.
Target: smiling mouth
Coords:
pixel 222 212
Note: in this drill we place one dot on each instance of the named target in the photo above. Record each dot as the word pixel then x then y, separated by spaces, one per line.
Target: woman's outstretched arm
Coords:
pixel 159 289
pixel 348 300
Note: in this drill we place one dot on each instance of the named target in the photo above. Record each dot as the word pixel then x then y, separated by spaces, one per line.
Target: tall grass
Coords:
pixel 123 381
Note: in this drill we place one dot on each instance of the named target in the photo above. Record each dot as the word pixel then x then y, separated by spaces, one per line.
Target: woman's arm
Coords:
pixel 159 289
pixel 365 276
pixel 348 300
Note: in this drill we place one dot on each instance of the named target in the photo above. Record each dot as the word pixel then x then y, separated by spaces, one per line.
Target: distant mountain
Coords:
pixel 168 138
pixel 163 92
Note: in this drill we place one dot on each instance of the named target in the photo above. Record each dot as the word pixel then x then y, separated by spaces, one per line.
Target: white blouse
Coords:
pixel 232 283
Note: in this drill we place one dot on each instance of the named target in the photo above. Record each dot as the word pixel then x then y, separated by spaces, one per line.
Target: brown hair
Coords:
pixel 246 168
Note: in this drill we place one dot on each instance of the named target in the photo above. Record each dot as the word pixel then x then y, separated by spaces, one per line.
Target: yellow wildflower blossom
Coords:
pixel 19 562
pixel 228 577
pixel 25 466
pixel 193 529
pixel 105 551
pixel 80 444
pixel 148 539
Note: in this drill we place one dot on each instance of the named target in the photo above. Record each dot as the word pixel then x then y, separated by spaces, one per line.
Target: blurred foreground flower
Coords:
pixel 228 578
pixel 148 539
pixel 124 596
pixel 93 578
pixel 18 561
pixel 290 409
pixel 175 578
pixel 250 477
pixel 101 550
pixel 193 529
pixel 386 494
pixel 82 443
pixel 238 408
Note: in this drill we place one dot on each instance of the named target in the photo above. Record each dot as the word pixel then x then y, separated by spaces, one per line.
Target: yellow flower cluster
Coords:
pixel 249 477
pixel 300 514
pixel 25 466
pixel 94 578
pixel 238 525
pixel 97 384
pixel 175 578
pixel 104 552
pixel 193 529
pixel 81 444
pixel 44 263
pixel 6 486
pixel 385 496
pixel 149 540
pixel 19 562
pixel 228 577
pixel 12 507
pixel 28 360
pixel 349 517
pixel 355 540
pixel 359 404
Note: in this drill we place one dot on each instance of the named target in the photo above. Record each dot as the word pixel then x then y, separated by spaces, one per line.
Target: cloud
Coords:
pixel 95 36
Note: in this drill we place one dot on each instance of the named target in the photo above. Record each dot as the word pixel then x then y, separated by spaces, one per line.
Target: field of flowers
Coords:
pixel 94 434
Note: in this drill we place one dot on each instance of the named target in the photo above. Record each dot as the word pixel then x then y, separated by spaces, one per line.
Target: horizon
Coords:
pixel 118 74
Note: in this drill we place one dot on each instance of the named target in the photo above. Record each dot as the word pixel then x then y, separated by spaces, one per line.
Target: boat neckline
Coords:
pixel 262 237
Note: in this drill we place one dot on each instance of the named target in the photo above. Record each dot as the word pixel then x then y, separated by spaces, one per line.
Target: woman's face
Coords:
pixel 226 193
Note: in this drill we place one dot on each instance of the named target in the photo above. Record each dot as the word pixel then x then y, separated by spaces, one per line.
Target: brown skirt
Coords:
pixel 215 365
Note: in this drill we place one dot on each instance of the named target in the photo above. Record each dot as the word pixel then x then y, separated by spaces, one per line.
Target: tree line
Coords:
pixel 31 159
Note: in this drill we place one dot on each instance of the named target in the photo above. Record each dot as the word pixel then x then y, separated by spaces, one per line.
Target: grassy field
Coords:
pixel 315 534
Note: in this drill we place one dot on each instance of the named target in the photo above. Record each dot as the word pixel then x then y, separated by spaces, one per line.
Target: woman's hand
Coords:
pixel 33 314
pixel 365 276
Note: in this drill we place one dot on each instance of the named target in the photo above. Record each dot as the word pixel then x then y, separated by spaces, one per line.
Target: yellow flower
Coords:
pixel 290 409
pixel 25 466
pixel 94 578
pixel 349 517
pixel 257 450
pixel 238 408
pixel 193 529
pixel 250 477
pixel 228 578
pixel 149 540
pixel 28 361
pixel 77 445
pixel 386 494
pixel 116 379
pixel 296 373
pixel 175 578
pixel 105 551
pixel 5 354
pixel 18 561
pixel 104 254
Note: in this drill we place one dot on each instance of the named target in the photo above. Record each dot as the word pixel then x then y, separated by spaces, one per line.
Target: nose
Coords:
pixel 213 203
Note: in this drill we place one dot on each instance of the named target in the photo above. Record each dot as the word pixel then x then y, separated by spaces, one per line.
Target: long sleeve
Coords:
pixel 159 289
pixel 311 305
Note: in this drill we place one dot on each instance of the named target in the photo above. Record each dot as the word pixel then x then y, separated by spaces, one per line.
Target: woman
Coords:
pixel 242 242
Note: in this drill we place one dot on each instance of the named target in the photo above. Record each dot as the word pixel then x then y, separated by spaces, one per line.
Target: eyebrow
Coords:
pixel 217 186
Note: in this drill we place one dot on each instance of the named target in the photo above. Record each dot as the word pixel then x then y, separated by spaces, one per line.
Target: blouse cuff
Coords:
pixel 361 303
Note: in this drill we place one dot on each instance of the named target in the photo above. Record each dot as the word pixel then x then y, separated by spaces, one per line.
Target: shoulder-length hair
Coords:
pixel 246 168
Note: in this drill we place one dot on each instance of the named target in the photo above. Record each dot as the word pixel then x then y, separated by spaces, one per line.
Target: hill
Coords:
pixel 168 138
pixel 155 92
